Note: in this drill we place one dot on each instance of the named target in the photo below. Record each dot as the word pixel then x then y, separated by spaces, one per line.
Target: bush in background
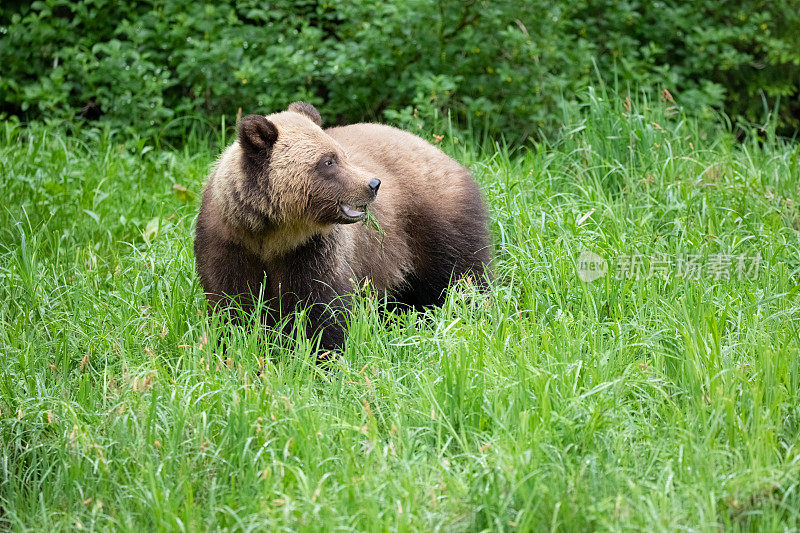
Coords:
pixel 504 66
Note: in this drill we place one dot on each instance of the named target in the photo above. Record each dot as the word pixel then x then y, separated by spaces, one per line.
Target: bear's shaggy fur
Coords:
pixel 278 212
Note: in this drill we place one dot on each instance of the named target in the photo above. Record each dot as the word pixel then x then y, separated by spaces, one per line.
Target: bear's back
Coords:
pixel 378 147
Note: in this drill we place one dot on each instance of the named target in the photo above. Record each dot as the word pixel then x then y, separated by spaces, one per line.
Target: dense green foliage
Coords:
pixel 506 65
pixel 668 403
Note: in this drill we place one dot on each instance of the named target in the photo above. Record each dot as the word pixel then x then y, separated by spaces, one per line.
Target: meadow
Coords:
pixel 648 399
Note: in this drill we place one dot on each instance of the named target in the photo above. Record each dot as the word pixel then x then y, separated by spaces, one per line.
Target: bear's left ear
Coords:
pixel 307 110
pixel 257 134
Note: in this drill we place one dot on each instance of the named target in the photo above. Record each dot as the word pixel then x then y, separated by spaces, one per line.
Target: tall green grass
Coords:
pixel 657 403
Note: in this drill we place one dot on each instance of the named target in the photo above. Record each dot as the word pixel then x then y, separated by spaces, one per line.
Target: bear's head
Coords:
pixel 294 174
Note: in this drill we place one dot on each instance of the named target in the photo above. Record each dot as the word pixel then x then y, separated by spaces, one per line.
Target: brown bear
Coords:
pixel 279 212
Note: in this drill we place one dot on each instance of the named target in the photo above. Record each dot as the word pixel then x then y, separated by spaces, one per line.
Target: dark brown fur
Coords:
pixel 276 220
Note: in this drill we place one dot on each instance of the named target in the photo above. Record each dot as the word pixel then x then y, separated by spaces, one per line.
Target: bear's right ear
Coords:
pixel 308 110
pixel 256 133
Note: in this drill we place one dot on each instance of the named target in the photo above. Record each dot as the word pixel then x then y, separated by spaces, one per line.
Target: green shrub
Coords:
pixel 504 66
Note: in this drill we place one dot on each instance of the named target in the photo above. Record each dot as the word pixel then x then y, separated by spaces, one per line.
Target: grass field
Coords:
pixel 638 401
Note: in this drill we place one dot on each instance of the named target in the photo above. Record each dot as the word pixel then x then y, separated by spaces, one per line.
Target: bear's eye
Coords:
pixel 326 165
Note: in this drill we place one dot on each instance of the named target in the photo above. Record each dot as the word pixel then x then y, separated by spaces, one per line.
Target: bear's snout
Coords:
pixel 374 183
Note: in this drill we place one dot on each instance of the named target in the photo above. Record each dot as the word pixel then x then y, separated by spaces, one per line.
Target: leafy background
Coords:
pixel 501 67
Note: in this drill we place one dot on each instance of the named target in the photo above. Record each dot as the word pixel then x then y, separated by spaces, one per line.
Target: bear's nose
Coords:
pixel 374 183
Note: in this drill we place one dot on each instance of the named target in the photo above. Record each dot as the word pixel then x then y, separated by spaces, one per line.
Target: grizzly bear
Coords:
pixel 278 220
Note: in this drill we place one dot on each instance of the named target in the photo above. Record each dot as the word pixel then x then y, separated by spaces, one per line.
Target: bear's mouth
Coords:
pixel 353 212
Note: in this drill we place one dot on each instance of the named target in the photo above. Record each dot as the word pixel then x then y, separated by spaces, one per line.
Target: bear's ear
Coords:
pixel 308 110
pixel 256 133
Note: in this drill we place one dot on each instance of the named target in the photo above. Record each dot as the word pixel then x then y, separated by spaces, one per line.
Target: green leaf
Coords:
pixel 92 214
